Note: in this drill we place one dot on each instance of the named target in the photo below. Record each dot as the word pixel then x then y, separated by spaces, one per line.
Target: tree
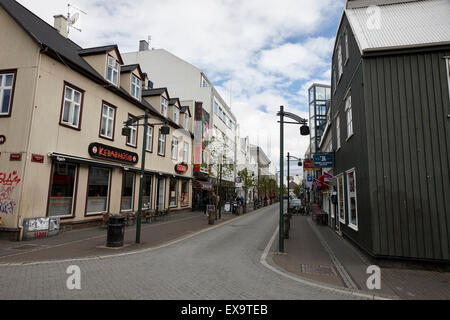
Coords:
pixel 297 190
pixel 248 181
pixel 222 162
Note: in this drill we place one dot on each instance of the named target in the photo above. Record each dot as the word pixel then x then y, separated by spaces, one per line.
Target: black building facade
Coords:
pixel 391 132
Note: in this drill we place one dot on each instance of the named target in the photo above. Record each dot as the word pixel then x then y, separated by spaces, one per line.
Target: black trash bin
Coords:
pixel 116 230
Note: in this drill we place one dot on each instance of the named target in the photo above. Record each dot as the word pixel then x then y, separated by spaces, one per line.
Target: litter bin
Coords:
pixel 287 224
pixel 116 230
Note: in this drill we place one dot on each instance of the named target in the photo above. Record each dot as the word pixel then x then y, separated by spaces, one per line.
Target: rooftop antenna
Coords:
pixel 149 40
pixel 71 20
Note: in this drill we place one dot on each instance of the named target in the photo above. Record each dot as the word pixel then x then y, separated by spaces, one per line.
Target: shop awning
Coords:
pixel 204 185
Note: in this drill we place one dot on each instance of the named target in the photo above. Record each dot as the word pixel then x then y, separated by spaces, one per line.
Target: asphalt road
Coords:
pixel 222 263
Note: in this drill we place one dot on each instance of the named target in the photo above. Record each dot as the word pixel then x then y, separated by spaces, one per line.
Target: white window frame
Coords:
pixel 350 224
pixel 186 121
pixel 161 144
pixel 339 176
pixel 133 133
pixel 448 74
pixel 3 87
pixel 349 115
pixel 338 133
pixel 164 106
pixel 176 115
pixel 135 87
pixel 339 52
pixel 114 65
pixel 186 152
pixel 108 118
pixel 73 104
pixel 149 139
pixel 203 83
pixel 174 148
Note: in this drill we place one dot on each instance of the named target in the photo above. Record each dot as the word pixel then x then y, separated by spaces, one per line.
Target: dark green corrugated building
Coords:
pixel 391 127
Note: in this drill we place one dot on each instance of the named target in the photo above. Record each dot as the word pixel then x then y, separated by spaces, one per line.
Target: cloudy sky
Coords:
pixel 259 54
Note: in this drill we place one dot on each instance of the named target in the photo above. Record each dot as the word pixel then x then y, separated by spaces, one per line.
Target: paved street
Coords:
pixel 222 263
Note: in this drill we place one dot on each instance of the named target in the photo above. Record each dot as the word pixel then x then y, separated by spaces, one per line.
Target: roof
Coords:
pixel 403 25
pixel 172 101
pixel 102 49
pixel 154 92
pixel 184 109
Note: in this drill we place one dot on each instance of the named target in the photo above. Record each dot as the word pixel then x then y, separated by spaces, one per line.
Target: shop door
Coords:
pixel 160 193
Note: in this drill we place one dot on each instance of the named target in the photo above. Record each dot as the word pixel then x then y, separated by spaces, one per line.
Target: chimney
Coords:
pixel 143 45
pixel 61 25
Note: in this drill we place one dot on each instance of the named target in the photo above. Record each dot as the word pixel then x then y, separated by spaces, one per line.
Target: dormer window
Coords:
pixel 164 106
pixel 176 115
pixel 186 122
pixel 135 87
pixel 112 74
pixel 204 83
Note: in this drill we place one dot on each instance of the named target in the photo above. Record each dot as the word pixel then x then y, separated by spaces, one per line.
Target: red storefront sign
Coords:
pixel 181 168
pixel 37 158
pixel 15 157
pixel 98 150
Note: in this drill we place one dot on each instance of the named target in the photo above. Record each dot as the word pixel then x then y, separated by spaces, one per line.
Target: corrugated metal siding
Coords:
pixel 407 102
pixel 405 24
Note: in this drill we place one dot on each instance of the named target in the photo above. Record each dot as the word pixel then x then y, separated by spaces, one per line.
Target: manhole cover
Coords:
pixel 26 247
pixel 318 270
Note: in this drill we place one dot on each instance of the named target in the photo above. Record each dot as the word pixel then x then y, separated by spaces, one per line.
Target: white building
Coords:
pixel 190 83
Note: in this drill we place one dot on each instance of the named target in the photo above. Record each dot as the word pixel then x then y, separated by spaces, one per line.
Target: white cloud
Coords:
pixel 250 41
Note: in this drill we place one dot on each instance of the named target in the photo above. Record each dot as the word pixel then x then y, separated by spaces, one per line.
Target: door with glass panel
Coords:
pixel 61 201
pixel 160 196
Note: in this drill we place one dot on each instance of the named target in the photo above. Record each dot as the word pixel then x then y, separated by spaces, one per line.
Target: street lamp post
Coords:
pixel 304 131
pixel 126 132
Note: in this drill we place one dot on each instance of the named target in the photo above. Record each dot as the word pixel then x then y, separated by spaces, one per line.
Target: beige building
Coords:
pixel 62 110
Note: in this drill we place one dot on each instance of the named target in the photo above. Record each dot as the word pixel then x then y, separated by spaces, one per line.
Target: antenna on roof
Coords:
pixel 71 20
pixel 149 40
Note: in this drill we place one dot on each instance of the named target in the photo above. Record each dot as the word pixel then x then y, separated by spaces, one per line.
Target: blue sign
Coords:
pixel 323 160
pixel 310 179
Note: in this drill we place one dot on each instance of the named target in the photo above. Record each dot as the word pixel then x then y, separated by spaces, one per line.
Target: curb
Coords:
pixel 315 284
pixel 167 244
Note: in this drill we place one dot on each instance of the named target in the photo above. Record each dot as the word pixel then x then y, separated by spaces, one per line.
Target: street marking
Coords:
pixel 301 280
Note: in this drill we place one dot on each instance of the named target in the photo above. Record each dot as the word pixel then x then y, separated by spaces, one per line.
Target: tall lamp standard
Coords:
pixel 304 131
pixel 126 131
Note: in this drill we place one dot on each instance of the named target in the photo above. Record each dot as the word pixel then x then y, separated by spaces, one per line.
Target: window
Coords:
pixel 98 190
pixel 346 45
pixel 351 193
pixel 161 144
pixel 216 107
pixel 174 149
pixel 338 133
pixel 135 87
pixel 147 192
pixel 186 121
pixel 71 109
pixel 107 121
pixel 448 74
pixel 7 80
pixel 164 106
pixel 334 79
pixel 61 201
pixel 176 115
pixel 341 198
pixel 149 145
pixel 132 139
pixel 126 203
pixel 112 72
pixel 339 59
pixel 204 83
pixel 348 112
pixel 173 192
pixel 184 193
pixel 185 152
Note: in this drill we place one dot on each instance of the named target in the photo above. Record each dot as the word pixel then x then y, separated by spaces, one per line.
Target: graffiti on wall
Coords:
pixel 8 182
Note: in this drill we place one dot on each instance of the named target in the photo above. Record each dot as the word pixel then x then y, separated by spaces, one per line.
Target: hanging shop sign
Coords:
pixel 323 160
pixel 309 165
pixel 98 150
pixel 2 139
pixel 181 168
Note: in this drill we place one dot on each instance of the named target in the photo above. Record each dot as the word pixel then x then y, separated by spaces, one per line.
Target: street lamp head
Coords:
pixel 300 163
pixel 126 131
pixel 304 130
pixel 165 129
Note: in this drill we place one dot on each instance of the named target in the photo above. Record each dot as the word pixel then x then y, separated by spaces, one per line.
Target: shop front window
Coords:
pixel 184 193
pixel 341 198
pixel 173 193
pixel 98 190
pixel 127 191
pixel 62 190
pixel 147 192
pixel 351 192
